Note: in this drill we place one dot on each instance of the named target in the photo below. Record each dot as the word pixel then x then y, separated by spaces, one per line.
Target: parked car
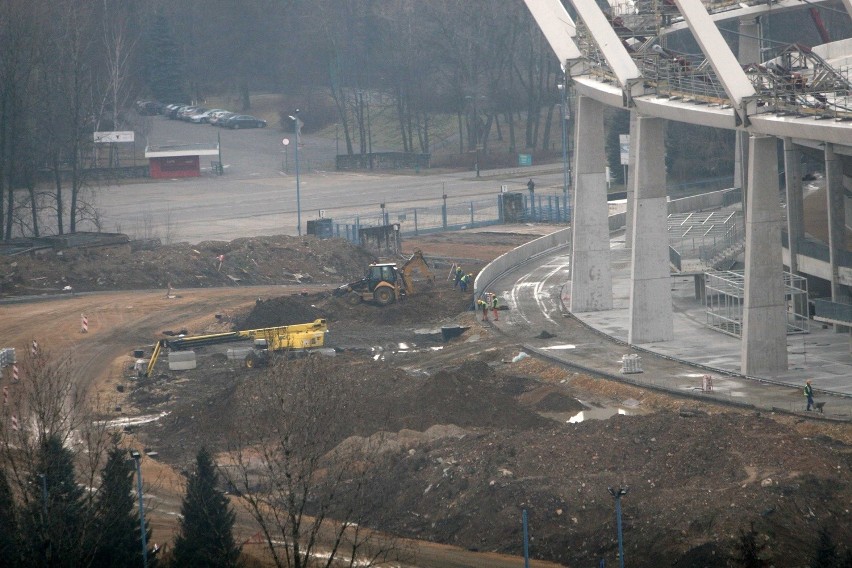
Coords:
pixel 244 121
pixel 173 113
pixel 203 117
pixel 217 117
pixel 149 107
pixel 186 112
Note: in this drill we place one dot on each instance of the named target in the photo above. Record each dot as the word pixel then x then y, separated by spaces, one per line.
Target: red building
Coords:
pixel 180 160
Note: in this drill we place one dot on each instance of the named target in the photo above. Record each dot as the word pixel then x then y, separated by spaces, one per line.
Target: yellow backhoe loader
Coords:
pixel 386 283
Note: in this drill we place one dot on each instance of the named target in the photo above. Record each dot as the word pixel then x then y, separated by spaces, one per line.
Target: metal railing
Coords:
pixel 826 310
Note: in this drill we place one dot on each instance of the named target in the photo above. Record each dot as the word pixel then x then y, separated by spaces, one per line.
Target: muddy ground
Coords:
pixel 472 439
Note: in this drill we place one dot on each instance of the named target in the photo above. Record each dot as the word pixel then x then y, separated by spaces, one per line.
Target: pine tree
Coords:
pixel 164 66
pixel 56 518
pixel 206 529
pixel 749 550
pixel 118 538
pixel 9 524
pixel 825 555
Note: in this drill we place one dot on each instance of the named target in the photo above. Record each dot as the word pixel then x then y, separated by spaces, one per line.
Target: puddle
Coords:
pixel 131 420
pixel 555 347
pixel 594 413
pixel 604 413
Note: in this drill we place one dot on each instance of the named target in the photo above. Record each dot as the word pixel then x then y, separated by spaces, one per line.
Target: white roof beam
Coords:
pixel 558 28
pixel 728 70
pixel 617 57
pixel 848 4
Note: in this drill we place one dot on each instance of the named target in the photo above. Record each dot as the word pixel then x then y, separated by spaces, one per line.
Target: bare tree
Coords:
pixel 303 487
pixel 47 409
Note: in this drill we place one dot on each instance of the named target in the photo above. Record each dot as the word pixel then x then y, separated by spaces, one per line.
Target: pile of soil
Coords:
pixel 429 305
pixel 257 260
pixel 483 455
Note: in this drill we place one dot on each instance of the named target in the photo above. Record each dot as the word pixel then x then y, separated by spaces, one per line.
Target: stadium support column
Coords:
pixel 795 205
pixel 764 327
pixel 650 280
pixel 836 224
pixel 591 280
pixel 630 181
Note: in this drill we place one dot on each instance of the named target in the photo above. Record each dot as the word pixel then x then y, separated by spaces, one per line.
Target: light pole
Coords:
pixel 563 89
pixel 137 458
pixel 618 493
pixel 298 126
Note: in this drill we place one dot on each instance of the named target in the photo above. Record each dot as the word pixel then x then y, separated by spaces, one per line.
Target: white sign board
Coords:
pixel 116 136
pixel 504 188
pixel 624 145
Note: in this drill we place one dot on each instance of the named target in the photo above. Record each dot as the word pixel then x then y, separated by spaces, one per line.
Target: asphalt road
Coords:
pixel 257 197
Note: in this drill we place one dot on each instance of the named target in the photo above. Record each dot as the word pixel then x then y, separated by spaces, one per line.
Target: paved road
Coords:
pixel 256 197
pixel 536 294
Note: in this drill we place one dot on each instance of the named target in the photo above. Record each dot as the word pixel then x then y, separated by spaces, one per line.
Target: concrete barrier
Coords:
pixel 712 200
pixel 182 360
pixel 518 256
pixel 527 251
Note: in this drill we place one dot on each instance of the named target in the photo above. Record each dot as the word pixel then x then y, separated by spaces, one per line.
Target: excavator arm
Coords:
pixel 415 264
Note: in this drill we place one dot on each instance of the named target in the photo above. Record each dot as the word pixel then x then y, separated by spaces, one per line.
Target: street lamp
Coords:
pixel 137 458
pixel 617 494
pixel 298 127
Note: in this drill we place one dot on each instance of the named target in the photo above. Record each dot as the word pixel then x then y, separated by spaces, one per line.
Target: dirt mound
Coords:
pixel 701 474
pixel 284 310
pixel 256 260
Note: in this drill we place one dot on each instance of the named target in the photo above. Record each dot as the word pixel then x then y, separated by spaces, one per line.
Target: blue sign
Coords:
pixel 524 159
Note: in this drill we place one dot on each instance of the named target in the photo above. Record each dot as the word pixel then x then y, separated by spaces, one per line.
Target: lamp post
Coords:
pixel 617 494
pixel 563 89
pixel 137 458
pixel 298 127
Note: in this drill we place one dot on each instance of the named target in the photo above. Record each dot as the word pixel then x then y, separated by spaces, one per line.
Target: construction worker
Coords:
pixel 809 392
pixel 494 307
pixel 465 280
pixel 483 305
pixel 459 274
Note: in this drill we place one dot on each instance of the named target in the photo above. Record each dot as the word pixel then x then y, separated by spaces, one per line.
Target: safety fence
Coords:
pixel 452 216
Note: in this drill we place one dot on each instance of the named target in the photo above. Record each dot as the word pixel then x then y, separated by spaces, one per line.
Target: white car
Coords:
pixel 204 116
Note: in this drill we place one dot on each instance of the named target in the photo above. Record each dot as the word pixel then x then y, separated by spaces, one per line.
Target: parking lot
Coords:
pixel 257 194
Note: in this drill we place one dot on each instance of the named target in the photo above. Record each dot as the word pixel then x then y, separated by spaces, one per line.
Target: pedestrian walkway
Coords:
pixel 821 355
pixel 537 294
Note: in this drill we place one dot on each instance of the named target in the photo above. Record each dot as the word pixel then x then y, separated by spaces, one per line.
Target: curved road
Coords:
pixel 536 294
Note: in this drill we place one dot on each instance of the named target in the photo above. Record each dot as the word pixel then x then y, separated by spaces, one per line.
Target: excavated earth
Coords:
pixel 468 438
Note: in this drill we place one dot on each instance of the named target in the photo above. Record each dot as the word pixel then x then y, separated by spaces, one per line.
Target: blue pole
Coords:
pixel 138 458
pixel 526 541
pixel 620 540
pixel 471 213
pixel 564 120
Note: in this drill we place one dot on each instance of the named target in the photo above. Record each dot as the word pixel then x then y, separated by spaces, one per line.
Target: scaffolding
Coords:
pixel 724 298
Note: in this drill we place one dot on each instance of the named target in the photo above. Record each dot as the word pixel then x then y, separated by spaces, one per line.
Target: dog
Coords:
pixel 818 406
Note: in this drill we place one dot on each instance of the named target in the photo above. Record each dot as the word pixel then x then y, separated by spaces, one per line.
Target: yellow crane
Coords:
pixel 295 339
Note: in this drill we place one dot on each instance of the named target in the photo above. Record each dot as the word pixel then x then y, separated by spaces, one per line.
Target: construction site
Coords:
pixel 468 433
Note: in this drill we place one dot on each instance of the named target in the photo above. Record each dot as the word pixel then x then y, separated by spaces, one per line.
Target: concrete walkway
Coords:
pixel 538 292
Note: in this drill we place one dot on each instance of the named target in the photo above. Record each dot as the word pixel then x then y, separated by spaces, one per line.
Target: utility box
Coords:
pixel 321 228
pixel 512 207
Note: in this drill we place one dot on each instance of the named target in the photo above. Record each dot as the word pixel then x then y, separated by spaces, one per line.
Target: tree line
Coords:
pixel 69 68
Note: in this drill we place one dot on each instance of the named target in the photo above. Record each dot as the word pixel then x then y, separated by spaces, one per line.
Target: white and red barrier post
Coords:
pixel 5 396
pixel 14 422
pixel 84 324
pixel 34 348
pixel 15 377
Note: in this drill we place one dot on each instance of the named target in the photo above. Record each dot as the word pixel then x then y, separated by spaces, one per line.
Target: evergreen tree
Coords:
pixel 825 555
pixel 55 521
pixel 118 539
pixel 206 530
pixel 8 524
pixel 749 550
pixel 164 64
